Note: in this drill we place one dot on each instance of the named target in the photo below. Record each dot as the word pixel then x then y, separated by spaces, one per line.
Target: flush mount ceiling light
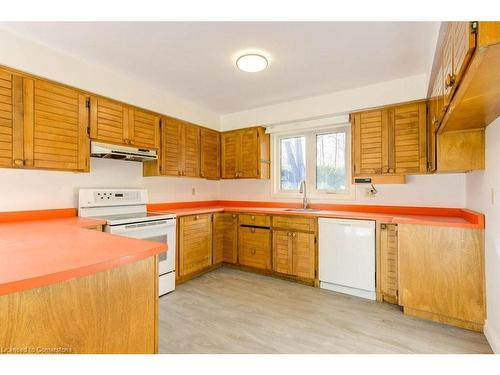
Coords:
pixel 251 62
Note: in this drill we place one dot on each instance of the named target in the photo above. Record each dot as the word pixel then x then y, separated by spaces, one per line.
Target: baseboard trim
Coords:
pixel 492 337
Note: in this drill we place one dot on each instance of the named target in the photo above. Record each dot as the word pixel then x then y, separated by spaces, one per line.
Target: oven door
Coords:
pixel 159 231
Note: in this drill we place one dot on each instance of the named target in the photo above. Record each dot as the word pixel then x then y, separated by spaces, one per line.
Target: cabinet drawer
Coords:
pixel 255 247
pixel 257 220
pixel 300 223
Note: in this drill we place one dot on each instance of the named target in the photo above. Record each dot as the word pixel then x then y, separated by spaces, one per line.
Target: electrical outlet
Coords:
pixel 369 192
pixel 193 191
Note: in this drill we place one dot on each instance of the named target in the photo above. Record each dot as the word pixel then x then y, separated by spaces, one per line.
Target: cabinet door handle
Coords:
pixel 252 230
pixel 253 251
pixel 202 174
pixel 179 173
pixel 233 216
pixel 391 170
pixel 385 169
pixel 18 162
pixel 196 217
pixel 252 217
pixel 294 234
pixel 450 80
pixel 288 234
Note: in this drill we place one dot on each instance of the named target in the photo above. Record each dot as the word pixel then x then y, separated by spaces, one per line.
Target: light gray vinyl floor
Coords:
pixel 231 311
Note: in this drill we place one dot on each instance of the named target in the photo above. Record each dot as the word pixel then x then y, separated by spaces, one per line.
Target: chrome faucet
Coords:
pixel 303 190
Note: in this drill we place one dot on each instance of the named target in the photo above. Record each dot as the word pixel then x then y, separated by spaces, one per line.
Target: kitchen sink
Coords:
pixel 301 210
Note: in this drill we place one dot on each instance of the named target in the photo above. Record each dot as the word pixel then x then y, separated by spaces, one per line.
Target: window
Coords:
pixel 321 158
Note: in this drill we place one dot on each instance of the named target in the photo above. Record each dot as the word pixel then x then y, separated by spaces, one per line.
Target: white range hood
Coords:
pixel 110 151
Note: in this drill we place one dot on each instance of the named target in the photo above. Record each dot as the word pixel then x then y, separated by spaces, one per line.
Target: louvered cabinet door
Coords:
pixel 464 43
pixel 109 121
pixel 229 143
pixel 144 129
pixel 389 262
pixel 282 251
pixel 11 150
pixel 210 154
pixel 195 246
pixel 369 143
pixel 171 150
pixel 304 255
pixel 218 231
pixel 230 239
pixel 410 139
pixel 191 148
pixel 55 127
pixel 249 154
pixel 447 66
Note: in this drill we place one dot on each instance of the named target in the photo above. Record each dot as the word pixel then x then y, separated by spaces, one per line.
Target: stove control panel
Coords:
pixel 111 197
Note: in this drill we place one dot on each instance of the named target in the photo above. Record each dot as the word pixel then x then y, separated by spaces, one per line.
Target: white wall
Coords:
pixel 36 189
pixel 400 90
pixel 28 56
pixel 479 187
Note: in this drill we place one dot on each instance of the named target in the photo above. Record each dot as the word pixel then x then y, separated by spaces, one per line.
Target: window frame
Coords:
pixel 310 165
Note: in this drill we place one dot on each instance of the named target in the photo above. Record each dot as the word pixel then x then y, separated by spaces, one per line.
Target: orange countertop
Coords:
pixel 34 253
pixel 447 217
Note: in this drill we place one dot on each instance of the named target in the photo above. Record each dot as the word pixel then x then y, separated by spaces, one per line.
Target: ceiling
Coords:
pixel 194 60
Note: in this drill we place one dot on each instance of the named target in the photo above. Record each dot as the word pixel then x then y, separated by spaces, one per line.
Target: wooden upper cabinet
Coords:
pixel 191 150
pixel 118 123
pixel 369 129
pixel 171 147
pixel 409 132
pixel 180 149
pixel 8 85
pixel 245 153
pixel 210 154
pixel 55 126
pixel 230 142
pixel 390 140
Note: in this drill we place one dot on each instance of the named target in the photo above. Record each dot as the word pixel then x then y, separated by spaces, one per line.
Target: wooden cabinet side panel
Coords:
pixel 441 271
pixel 389 261
pixel 113 311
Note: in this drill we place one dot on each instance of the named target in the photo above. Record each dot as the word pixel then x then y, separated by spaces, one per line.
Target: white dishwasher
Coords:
pixel 347 256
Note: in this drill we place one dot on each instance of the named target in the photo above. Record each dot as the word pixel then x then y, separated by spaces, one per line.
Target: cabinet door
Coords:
pixel 10 88
pixel 464 43
pixel 171 152
pixel 249 154
pixel 370 151
pixel 191 150
pixel 144 129
pixel 210 154
pixel 304 255
pixel 408 148
pixel 195 246
pixel 230 141
pixel 254 247
pixel 447 66
pixel 55 127
pixel 389 262
pixel 282 251
pixel 225 238
pixel 109 121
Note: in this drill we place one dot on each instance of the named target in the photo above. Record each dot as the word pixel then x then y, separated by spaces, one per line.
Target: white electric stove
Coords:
pixel 125 212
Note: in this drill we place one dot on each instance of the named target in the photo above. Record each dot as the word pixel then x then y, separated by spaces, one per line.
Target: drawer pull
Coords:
pixel 252 217
pixel 196 217
pixel 252 230
pixel 19 162
pixel 233 216
pixel 253 251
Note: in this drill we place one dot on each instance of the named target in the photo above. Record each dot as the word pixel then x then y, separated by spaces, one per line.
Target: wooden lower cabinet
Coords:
pixel 441 274
pixel 254 247
pixel 225 238
pixel 294 253
pixel 388 262
pixel 195 244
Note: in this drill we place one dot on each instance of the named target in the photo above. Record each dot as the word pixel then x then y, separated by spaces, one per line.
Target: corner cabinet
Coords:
pixel 42 125
pixel 245 153
pixel 390 141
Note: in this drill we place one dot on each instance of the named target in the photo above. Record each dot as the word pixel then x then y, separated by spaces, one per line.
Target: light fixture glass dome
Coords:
pixel 251 62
